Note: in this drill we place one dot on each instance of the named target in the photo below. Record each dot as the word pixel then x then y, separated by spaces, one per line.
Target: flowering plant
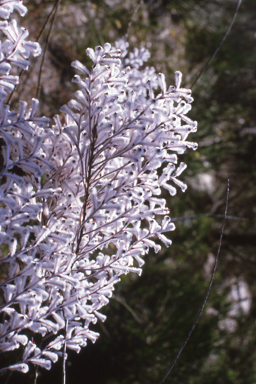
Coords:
pixel 80 199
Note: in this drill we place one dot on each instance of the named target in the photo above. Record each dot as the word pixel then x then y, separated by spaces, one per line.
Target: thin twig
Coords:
pixel 36 374
pixel 120 300
pixel 15 88
pixel 228 217
pixel 48 18
pixel 37 39
pixel 207 293
pixel 45 49
pixel 132 19
pixel 218 48
pixel 64 354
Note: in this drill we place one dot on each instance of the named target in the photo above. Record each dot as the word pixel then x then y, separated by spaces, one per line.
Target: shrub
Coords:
pixel 80 198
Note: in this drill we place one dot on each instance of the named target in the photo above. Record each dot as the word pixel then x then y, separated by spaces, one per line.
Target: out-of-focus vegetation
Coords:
pixel 150 316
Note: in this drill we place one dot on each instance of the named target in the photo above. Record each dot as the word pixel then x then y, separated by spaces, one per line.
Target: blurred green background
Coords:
pixel 150 316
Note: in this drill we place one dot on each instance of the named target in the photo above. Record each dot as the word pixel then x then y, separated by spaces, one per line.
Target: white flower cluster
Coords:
pixel 80 200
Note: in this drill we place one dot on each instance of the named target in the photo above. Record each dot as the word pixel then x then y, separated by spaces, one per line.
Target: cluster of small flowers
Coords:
pixel 79 200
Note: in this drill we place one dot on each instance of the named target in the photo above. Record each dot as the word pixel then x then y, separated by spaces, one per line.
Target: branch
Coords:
pixel 207 293
pixel 64 354
pixel 218 48
pixel 132 19
pixel 228 217
pixel 45 49
pixel 37 40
